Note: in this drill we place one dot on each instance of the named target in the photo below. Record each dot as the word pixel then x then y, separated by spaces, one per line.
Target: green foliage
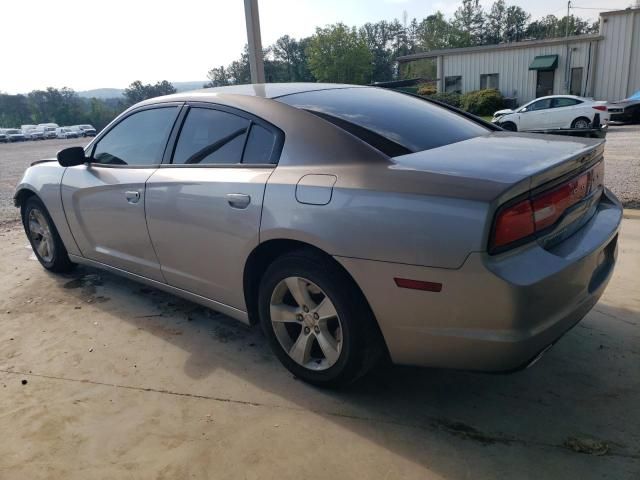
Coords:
pixel 449 98
pixel 338 53
pixel 137 91
pixel 482 102
pixel 61 106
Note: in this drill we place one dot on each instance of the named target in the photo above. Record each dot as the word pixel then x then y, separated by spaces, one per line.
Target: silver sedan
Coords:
pixel 353 223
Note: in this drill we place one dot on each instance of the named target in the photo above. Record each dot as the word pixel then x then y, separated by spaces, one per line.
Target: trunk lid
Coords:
pixel 501 165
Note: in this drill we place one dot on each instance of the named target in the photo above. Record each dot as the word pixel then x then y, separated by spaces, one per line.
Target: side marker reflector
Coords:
pixel 418 285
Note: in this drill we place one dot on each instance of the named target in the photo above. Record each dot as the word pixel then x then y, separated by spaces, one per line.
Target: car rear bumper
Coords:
pixel 494 313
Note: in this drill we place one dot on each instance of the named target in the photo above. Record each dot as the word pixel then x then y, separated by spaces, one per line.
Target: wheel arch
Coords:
pixel 22 195
pixel 264 254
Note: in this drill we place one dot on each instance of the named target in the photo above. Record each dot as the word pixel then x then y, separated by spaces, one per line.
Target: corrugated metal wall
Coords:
pixel 516 80
pixel 618 71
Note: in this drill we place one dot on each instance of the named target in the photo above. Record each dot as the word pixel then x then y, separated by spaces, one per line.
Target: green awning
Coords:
pixel 544 62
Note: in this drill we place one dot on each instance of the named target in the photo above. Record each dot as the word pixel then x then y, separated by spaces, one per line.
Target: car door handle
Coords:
pixel 132 196
pixel 238 200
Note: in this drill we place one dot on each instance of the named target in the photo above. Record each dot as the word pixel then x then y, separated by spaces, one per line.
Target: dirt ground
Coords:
pixel 103 378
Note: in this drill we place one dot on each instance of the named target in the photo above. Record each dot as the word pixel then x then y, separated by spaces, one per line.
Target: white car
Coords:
pixel 65 132
pixel 552 112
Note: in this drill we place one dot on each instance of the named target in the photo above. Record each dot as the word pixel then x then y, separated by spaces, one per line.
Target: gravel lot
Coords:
pixel 622 174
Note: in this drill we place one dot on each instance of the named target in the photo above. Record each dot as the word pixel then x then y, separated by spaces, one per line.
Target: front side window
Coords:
pixel 489 80
pixel 540 105
pixel 139 139
pixel 211 137
pixel 453 84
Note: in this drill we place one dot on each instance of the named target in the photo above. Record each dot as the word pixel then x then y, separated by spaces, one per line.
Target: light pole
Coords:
pixel 256 63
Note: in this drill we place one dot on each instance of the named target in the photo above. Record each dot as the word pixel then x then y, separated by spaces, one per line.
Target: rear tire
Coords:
pixel 509 126
pixel 581 122
pixel 44 238
pixel 341 344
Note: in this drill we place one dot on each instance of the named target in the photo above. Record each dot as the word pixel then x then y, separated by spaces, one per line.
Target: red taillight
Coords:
pixel 534 214
pixel 602 108
pixel 513 223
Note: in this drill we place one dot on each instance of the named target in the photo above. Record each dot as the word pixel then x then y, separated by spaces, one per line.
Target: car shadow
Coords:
pixel 435 418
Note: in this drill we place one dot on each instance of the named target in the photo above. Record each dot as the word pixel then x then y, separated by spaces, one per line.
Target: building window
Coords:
pixel 575 88
pixel 489 80
pixel 453 84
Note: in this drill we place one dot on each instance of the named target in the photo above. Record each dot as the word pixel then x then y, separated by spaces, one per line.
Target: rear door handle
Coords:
pixel 132 196
pixel 238 200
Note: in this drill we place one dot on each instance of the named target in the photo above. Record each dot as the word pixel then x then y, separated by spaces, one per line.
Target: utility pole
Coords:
pixel 567 68
pixel 256 63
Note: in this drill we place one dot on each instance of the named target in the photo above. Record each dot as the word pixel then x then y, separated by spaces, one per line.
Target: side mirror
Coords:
pixel 72 156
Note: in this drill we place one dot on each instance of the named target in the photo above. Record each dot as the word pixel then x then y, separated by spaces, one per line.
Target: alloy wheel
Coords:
pixel 306 323
pixel 41 235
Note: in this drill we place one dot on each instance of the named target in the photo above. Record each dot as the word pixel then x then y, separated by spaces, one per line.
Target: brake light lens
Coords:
pixel 602 108
pixel 513 223
pixel 536 213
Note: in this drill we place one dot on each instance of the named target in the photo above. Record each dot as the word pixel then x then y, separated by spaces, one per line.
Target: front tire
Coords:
pixel 509 126
pixel 44 237
pixel 316 320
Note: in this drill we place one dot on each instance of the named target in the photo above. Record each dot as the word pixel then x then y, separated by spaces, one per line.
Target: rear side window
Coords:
pixel 564 102
pixel 392 122
pixel 260 145
pixel 139 139
pixel 211 137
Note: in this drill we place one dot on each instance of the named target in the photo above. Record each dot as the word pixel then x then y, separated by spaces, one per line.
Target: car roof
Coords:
pixel 261 90
pixel 561 96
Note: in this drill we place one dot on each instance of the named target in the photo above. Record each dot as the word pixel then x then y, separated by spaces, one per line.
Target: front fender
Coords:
pixel 44 180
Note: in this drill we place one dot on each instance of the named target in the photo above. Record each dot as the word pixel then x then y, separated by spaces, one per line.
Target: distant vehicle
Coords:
pixel 33 134
pixel 87 130
pixel 48 132
pixel 627 110
pixel 552 112
pixel 14 135
pixel 66 132
pixel 3 136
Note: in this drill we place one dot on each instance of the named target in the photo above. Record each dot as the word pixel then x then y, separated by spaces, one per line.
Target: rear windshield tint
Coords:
pixel 392 122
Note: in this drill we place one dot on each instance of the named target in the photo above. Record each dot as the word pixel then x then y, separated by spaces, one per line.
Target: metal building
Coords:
pixel 605 66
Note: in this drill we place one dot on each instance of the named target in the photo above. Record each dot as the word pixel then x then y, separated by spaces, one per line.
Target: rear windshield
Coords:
pixel 392 122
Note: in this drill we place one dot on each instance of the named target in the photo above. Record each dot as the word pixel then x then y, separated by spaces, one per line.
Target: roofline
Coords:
pixel 501 46
pixel 619 12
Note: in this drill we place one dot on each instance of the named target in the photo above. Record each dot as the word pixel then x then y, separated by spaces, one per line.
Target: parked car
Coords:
pixel 3 136
pixel 627 110
pixel 406 230
pixel 65 132
pixel 14 135
pixel 87 130
pixel 33 134
pixel 553 112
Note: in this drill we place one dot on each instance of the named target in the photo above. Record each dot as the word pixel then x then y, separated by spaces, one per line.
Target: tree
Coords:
pixel 469 19
pixel 291 53
pixel 495 23
pixel 218 77
pixel 137 91
pixel 516 23
pixel 338 53
pixel 435 33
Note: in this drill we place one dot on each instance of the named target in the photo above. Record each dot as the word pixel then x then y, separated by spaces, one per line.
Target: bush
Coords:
pixel 482 102
pixel 427 89
pixel 450 98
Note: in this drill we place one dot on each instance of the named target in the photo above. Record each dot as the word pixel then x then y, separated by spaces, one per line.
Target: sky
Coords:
pixel 85 44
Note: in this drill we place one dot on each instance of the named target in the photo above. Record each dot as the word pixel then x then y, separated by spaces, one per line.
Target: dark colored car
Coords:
pixel 627 110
